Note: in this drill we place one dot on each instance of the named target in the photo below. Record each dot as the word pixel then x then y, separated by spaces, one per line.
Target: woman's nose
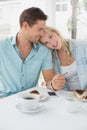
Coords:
pixel 53 43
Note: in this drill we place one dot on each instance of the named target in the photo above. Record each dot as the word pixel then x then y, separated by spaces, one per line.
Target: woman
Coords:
pixel 69 56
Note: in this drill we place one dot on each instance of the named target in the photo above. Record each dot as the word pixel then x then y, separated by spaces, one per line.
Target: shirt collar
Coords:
pixel 13 39
pixel 14 42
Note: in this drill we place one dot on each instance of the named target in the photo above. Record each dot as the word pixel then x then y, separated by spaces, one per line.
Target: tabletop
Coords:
pixel 54 116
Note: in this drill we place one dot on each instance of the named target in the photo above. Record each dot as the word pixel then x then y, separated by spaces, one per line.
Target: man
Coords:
pixel 22 58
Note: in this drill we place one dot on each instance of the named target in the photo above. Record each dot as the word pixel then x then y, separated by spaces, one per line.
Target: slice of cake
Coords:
pixel 34 92
pixel 80 94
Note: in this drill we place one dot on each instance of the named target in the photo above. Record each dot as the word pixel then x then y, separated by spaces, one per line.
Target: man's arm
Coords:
pixel 48 75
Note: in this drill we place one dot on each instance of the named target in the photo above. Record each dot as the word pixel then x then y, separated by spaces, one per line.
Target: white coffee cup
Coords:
pixel 29 102
pixel 73 106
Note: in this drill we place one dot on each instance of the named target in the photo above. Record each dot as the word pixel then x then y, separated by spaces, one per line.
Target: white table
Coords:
pixel 53 117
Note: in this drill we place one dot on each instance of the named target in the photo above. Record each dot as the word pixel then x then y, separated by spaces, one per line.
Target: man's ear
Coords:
pixel 25 24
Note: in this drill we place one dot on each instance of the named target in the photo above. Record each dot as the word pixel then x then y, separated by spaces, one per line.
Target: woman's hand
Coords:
pixel 58 82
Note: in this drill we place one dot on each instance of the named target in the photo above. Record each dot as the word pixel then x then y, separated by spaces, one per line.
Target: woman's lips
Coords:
pixel 55 45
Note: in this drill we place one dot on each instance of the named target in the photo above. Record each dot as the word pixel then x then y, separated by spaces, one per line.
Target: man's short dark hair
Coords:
pixel 31 15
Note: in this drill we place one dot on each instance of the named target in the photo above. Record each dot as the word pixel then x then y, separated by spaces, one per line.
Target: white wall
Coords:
pixel 10 12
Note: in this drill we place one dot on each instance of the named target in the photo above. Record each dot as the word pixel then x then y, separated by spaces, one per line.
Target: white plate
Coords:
pixel 72 97
pixel 82 100
pixel 39 98
pixel 21 109
pixel 43 97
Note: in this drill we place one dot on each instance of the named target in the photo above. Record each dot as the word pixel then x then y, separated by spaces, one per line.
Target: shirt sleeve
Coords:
pixel 47 62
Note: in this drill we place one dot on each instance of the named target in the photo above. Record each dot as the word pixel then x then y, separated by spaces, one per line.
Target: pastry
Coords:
pixel 80 94
pixel 34 92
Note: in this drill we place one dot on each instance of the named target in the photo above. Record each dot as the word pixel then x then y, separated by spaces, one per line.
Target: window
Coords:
pixel 61 5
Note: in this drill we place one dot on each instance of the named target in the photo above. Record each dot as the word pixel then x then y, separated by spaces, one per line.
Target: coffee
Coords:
pixel 29 102
pixel 28 98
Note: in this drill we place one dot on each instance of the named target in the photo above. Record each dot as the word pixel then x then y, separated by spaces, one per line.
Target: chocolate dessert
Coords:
pixel 80 91
pixel 81 94
pixel 34 92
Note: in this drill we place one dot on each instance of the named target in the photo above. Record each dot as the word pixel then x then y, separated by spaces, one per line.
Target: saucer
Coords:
pixel 21 108
pixel 43 97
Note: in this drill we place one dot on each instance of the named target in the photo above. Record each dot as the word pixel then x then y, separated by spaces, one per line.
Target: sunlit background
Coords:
pixel 59 12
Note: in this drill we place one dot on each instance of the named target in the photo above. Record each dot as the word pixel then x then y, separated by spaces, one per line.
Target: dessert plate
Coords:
pixel 21 109
pixel 71 96
pixel 40 97
pixel 82 100
pixel 43 97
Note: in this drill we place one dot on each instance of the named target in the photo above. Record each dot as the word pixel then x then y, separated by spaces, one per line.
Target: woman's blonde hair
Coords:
pixel 65 42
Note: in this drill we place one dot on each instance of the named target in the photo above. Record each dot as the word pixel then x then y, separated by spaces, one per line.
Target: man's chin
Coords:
pixel 35 41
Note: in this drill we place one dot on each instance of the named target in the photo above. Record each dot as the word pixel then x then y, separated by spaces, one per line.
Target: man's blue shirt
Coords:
pixel 17 74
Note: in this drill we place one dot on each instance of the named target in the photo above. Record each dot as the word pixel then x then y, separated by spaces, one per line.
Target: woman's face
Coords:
pixel 51 40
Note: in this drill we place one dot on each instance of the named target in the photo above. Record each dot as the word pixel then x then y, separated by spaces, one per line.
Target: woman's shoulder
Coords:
pixel 78 43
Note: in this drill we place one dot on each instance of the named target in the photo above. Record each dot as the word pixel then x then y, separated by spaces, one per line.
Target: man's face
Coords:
pixel 36 31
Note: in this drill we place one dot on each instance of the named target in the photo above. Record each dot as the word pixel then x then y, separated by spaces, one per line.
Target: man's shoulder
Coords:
pixel 42 47
pixel 5 42
pixel 42 51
